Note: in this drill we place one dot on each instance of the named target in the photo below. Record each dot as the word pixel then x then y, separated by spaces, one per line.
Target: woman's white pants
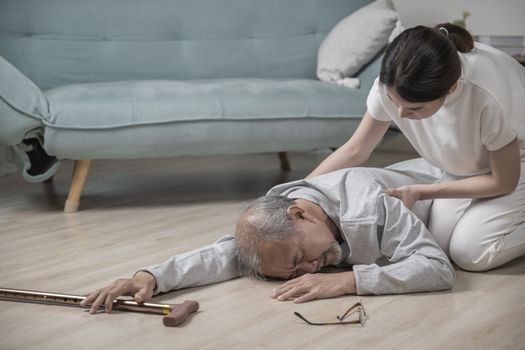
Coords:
pixel 480 234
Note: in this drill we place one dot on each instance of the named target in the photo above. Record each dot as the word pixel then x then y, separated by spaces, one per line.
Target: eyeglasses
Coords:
pixel 357 308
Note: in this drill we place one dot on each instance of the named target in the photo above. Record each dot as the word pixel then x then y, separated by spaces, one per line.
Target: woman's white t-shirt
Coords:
pixel 484 113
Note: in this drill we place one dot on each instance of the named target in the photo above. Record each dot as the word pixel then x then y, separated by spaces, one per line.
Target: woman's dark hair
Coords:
pixel 422 63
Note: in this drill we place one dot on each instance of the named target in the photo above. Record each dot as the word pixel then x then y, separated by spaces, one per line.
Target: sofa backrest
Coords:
pixel 58 42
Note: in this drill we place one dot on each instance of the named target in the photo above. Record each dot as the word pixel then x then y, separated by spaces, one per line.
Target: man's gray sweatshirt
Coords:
pixel 388 246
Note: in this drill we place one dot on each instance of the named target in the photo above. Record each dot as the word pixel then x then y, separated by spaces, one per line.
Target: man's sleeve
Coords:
pixel 210 264
pixel 417 263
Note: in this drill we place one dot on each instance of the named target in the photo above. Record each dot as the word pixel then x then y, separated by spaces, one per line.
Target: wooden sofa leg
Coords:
pixel 80 173
pixel 285 163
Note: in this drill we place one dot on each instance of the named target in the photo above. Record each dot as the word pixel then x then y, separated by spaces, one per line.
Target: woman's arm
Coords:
pixel 357 149
pixel 503 179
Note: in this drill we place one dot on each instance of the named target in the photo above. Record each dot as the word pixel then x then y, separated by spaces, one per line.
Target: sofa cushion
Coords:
pixel 166 118
pixel 135 103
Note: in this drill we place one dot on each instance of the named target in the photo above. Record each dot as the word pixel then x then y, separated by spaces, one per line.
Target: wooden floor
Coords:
pixel 137 213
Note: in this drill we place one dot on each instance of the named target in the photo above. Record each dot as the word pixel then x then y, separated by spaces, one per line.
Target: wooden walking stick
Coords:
pixel 175 314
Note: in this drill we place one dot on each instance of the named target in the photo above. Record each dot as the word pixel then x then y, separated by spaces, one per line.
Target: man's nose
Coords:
pixel 306 267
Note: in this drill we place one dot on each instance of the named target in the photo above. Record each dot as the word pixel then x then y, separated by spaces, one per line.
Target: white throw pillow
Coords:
pixel 355 40
pixel 398 29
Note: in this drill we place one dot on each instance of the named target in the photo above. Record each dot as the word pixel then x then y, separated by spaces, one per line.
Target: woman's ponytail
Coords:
pixel 460 37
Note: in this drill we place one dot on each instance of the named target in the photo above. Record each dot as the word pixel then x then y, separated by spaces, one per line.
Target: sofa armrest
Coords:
pixel 23 106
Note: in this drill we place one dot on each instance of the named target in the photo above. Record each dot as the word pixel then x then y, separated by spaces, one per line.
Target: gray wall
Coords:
pixel 488 17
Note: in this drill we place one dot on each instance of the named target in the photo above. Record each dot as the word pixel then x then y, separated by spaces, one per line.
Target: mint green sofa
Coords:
pixel 116 79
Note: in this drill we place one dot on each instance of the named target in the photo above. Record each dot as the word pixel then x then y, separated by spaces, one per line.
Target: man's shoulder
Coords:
pixel 357 179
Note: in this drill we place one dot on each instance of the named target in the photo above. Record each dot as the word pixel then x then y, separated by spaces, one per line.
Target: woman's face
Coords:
pixel 414 110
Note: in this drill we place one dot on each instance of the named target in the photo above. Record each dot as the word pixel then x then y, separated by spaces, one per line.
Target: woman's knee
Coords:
pixel 489 233
pixel 468 246
pixel 473 249
pixel 470 258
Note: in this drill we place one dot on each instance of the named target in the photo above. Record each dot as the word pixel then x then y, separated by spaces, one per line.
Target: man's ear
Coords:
pixel 299 213
pixel 296 212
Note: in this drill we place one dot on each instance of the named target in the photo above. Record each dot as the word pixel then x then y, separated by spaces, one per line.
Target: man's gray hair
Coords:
pixel 264 219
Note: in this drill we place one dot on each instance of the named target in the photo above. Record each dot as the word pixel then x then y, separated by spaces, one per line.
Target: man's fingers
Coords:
pixel 311 295
pixel 281 290
pixel 293 292
pixel 120 287
pixel 284 288
pixel 90 297
pixel 98 301
pixel 108 304
pixel 113 294
pixel 290 282
pixel 139 298
pixel 141 295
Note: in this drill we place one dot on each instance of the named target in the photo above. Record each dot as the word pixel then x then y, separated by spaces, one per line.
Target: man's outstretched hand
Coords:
pixel 316 286
pixel 140 287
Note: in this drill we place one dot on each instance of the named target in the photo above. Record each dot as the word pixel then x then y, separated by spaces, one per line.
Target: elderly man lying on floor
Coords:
pixel 342 218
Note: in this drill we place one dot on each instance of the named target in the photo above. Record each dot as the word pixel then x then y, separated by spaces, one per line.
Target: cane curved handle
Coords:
pixel 180 313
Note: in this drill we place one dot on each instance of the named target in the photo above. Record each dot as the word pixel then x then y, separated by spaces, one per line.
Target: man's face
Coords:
pixel 305 252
